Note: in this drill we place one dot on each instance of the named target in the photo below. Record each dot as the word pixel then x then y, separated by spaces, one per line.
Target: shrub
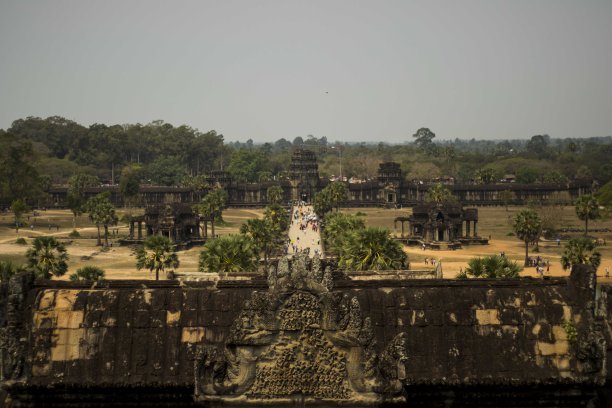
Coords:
pixel 494 266
pixel 74 234
pixel 21 241
pixel 88 273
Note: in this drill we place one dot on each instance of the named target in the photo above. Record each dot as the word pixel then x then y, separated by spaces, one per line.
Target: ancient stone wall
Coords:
pixel 127 334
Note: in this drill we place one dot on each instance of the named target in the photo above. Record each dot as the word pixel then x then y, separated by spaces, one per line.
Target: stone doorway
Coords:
pixel 440 234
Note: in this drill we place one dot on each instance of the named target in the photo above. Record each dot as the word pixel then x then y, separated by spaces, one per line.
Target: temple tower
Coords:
pixel 303 175
pixel 389 180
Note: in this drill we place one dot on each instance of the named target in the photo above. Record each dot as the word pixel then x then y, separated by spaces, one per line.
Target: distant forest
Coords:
pixel 36 153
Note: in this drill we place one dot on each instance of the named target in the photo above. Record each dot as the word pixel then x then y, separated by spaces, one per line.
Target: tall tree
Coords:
pixel 371 249
pixel 527 227
pixel 580 251
pixel 211 207
pixel 337 227
pixel 275 194
pixel 129 182
pixel 424 138
pixel 102 213
pixel 485 175
pixel 47 257
pixel 19 178
pixel 229 253
pixel 538 145
pixel 322 203
pixel 157 253
pixel 76 193
pixel 338 193
pixel 439 194
pixel 18 207
pixel 587 208
pixel 262 233
pixel 277 217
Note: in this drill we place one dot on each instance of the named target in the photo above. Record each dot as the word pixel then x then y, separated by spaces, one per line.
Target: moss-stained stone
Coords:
pixel 173 318
pixel 192 334
pixel 487 316
pixel 484 332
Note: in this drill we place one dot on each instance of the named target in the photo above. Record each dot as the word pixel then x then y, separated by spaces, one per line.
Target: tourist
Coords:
pixel 607 271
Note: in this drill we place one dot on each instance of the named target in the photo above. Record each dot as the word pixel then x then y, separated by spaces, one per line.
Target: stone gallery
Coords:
pixel 303 181
pixel 304 336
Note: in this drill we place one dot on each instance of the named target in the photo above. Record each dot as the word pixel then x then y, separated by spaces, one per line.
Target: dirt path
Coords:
pixel 305 239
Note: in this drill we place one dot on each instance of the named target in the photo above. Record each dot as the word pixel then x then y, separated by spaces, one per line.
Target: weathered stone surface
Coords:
pixel 457 335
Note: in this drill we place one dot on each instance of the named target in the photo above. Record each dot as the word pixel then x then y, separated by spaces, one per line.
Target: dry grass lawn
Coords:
pixel 118 262
pixel 496 223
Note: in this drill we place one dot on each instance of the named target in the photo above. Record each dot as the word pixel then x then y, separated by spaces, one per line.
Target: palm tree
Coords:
pixel 19 207
pixel 580 251
pixel 275 194
pixel 371 249
pixel 322 203
pixel 263 234
pixel 527 227
pixel 337 226
pixel 494 266
pixel 587 208
pixel 47 257
pixel 8 269
pixel 107 217
pixel 485 176
pixel 88 273
pixel 75 195
pixel 229 253
pixel 101 213
pixel 338 193
pixel 277 216
pixel 439 194
pixel 211 207
pixel 156 254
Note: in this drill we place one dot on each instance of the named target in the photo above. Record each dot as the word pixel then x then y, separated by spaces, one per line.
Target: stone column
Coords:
pixel 467 229
pixel 475 228
pixel 139 229
pixel 131 229
pixel 402 228
pixel 198 229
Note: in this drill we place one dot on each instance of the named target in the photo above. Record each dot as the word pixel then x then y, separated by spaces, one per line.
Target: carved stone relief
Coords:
pixel 300 342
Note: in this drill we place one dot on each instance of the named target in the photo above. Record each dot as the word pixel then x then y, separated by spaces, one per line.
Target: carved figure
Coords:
pixel 298 340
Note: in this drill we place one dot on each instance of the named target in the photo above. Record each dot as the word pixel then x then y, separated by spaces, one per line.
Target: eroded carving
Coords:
pixel 13 337
pixel 299 340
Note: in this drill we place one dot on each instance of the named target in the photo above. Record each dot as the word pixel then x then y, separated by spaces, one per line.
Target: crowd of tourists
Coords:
pixel 305 219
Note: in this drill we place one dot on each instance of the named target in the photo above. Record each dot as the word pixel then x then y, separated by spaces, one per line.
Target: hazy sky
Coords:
pixel 348 70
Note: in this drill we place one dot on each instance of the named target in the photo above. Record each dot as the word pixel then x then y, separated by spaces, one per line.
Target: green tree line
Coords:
pixel 36 153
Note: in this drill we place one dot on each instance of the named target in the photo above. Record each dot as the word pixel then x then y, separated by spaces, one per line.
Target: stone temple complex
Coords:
pixel 441 225
pixel 389 189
